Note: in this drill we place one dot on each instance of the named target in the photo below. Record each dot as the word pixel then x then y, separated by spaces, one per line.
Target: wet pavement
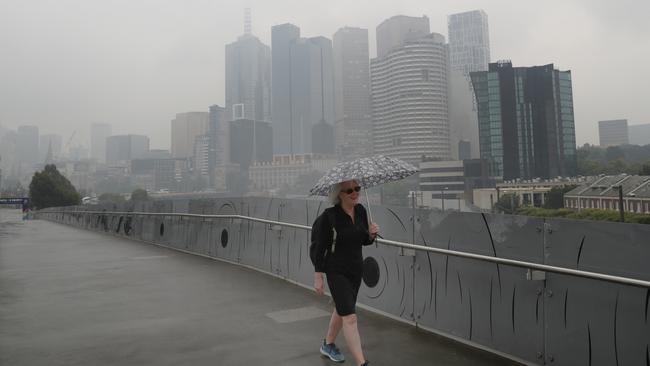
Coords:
pixel 74 297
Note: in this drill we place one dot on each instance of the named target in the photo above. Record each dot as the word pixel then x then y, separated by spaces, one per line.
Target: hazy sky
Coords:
pixel 136 63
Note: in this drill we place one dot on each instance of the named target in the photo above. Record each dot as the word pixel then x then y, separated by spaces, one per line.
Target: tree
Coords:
pixel 508 203
pixel 555 197
pixel 49 188
pixel 645 169
pixel 139 195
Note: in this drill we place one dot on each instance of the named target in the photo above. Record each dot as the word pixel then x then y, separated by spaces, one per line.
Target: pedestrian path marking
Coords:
pixel 295 315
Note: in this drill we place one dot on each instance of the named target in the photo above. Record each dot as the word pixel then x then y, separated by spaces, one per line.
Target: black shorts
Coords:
pixel 344 291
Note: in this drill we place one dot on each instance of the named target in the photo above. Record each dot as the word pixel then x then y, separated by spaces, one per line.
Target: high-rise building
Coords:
pixel 248 79
pixel 639 134
pixel 526 123
pixel 469 41
pixel 219 153
pixel 121 149
pixel 312 96
pixel 282 37
pixel 250 142
pixel 469 51
pixel 99 132
pixel 613 132
pixel 202 157
pixel 353 116
pixel 303 91
pixel 50 142
pixel 409 92
pixel 27 142
pixel 185 128
pixel 394 31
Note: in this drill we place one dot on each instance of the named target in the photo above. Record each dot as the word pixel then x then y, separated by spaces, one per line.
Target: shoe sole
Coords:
pixel 330 357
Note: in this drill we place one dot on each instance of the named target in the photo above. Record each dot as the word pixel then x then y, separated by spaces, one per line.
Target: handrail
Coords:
pixel 399 244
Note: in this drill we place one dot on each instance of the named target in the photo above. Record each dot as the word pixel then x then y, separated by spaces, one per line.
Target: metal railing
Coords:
pixel 399 244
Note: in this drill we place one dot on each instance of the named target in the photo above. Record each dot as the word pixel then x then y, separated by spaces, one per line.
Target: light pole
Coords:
pixel 620 202
pixel 442 197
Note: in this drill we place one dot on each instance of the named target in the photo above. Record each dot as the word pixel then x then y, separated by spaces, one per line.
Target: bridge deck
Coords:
pixel 72 297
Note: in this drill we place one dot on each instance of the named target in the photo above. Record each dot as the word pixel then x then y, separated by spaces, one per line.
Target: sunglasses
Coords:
pixel 350 190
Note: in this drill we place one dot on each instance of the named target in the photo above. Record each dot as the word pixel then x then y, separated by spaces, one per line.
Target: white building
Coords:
pixel 409 92
pixel 285 170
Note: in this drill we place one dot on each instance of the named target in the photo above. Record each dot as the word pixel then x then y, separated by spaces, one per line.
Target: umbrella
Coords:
pixel 369 172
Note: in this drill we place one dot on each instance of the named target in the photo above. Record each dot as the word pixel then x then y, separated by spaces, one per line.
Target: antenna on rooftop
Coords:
pixel 247 21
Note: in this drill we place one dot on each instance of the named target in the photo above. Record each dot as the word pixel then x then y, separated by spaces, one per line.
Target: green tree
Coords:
pixel 555 197
pixel 645 169
pixel 508 203
pixel 49 188
pixel 139 195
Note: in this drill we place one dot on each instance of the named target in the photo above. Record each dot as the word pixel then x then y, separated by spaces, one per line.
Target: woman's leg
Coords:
pixel 336 322
pixel 352 338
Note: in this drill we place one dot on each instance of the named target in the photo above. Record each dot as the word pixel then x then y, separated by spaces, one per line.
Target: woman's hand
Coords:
pixel 374 229
pixel 318 283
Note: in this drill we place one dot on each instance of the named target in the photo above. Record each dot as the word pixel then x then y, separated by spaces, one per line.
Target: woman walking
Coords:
pixel 340 234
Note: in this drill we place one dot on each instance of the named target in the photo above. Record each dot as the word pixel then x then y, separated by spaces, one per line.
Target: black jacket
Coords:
pixel 346 254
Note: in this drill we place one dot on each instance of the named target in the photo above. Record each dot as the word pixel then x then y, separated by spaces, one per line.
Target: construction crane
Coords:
pixel 67 145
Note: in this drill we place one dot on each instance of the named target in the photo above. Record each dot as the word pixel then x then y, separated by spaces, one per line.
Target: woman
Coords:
pixel 339 256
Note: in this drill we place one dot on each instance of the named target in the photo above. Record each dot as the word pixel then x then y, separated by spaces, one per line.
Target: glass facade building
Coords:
pixel 526 123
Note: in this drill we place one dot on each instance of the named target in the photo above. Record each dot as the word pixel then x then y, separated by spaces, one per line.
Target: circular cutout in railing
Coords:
pixel 162 228
pixel 224 238
pixel 370 272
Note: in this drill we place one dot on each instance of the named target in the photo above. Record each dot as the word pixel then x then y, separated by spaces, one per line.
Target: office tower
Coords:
pixel 27 145
pixel 250 142
pixel 185 128
pixel 613 132
pixel 312 96
pixel 353 116
pixel 121 149
pixel 201 161
pixel 282 37
pixel 469 50
pixel 409 91
pixel 219 149
pixel 394 31
pixel 639 134
pixel 469 41
pixel 99 132
pixel 248 78
pixel 303 92
pixel 526 124
pixel 50 142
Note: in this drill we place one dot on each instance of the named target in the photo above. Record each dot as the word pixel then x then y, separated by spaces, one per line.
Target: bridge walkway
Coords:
pixel 74 297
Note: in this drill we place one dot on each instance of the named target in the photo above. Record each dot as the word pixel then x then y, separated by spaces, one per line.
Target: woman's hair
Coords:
pixel 334 194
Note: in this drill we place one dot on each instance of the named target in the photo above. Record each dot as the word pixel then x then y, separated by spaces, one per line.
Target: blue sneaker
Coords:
pixel 331 351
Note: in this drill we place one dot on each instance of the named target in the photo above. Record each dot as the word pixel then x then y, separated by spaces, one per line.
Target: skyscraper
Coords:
pixel 185 128
pixel 282 37
pixel 409 91
pixel 613 132
pixel 526 124
pixel 27 140
pixel 219 145
pixel 99 132
pixel 248 78
pixel 469 41
pixel 469 51
pixel 303 91
pixel 353 122
pixel 121 149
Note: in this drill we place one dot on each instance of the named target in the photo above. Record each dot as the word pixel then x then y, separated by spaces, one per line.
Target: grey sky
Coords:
pixel 136 63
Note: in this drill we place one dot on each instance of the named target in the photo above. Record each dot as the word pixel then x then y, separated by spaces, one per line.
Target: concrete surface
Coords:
pixel 73 297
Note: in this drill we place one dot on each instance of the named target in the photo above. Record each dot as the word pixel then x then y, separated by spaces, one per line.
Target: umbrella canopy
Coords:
pixel 369 172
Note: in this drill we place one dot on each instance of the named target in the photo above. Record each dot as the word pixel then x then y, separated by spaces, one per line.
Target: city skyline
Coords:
pixel 137 78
